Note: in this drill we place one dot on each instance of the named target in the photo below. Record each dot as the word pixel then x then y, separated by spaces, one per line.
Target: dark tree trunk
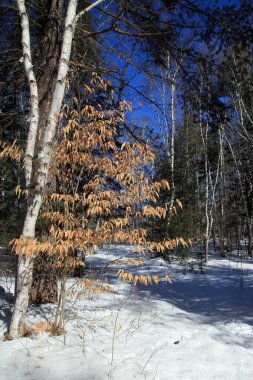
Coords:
pixel 44 285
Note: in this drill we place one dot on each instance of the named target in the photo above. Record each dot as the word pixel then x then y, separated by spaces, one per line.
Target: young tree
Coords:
pixel 102 179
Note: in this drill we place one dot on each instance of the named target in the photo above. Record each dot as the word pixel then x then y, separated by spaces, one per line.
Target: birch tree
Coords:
pixel 37 172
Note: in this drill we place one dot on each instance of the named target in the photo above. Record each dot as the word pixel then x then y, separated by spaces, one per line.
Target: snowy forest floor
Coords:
pixel 199 327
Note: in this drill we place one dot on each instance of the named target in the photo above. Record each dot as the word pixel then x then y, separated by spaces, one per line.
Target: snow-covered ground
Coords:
pixel 199 327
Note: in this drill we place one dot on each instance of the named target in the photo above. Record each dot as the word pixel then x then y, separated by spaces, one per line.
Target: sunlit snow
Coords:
pixel 199 327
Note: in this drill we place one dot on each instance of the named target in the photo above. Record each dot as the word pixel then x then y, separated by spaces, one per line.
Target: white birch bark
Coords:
pixel 33 87
pixel 172 77
pixel 168 127
pixel 163 121
pixel 222 190
pixel 204 136
pixel 213 187
pixel 172 148
pixel 25 263
pixel 172 74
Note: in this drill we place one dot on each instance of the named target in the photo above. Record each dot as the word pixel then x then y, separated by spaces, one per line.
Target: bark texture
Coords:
pixel 44 281
pixel 44 285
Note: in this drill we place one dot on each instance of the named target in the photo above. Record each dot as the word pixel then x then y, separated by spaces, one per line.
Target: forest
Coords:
pixel 126 189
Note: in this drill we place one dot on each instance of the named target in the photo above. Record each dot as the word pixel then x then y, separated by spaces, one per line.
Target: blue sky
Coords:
pixel 139 86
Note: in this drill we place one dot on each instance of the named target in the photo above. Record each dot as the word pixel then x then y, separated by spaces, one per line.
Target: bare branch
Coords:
pixel 90 7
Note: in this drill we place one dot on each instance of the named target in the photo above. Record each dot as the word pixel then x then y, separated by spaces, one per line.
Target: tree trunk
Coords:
pixel 207 216
pixel 250 236
pixel 24 275
pixel 23 283
pixel 246 208
pixel 44 282
pixel 172 77
pixel 44 287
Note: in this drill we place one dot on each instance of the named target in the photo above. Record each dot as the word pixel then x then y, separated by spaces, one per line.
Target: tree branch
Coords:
pixel 87 9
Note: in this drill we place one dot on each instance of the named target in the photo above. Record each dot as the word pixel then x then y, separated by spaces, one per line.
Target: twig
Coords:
pixel 154 352
pixel 114 333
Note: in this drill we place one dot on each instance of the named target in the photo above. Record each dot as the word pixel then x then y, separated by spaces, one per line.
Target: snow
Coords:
pixel 199 327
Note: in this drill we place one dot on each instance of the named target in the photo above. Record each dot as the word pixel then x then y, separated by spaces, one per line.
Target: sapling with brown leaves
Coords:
pixel 101 177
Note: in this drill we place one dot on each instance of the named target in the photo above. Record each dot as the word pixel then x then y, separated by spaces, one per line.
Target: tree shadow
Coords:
pixel 6 303
pixel 222 292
